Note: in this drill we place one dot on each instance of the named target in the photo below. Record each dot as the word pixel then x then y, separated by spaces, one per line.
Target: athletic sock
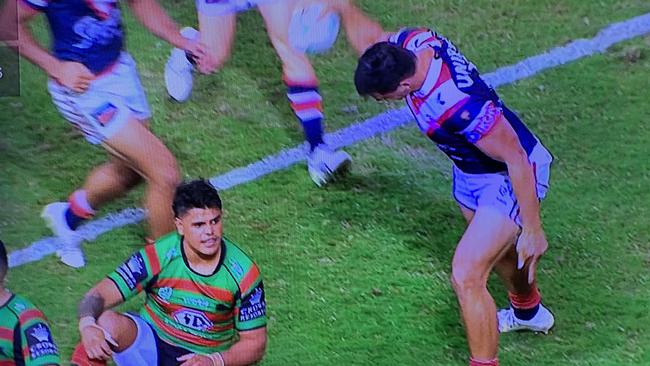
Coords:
pixel 475 362
pixel 526 305
pixel 306 105
pixel 79 209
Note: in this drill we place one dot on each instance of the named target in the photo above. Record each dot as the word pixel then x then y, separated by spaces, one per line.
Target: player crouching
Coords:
pixel 204 297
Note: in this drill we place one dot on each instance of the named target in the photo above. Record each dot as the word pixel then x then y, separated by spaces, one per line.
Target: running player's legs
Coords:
pixel 296 67
pixel 109 181
pixel 217 32
pixel 147 155
pixel 486 238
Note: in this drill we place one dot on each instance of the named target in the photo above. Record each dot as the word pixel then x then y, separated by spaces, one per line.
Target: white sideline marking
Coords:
pixel 382 123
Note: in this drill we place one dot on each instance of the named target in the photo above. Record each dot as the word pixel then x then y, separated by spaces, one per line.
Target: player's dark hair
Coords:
pixel 195 194
pixel 4 262
pixel 382 68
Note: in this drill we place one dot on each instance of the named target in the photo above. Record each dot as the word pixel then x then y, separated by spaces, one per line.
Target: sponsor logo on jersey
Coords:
pixel 196 302
pixel 133 271
pixel 20 307
pixel 165 293
pixel 254 305
pixel 193 319
pixel 105 114
pixel 239 271
pixel 483 122
pixel 93 31
pixel 462 69
pixel 39 341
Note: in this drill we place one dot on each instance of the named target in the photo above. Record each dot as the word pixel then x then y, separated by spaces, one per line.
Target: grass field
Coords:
pixel 357 273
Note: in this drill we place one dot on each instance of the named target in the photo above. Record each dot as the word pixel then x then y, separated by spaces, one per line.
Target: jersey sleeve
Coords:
pixel 40 5
pixel 250 307
pixel 475 120
pixel 132 276
pixel 37 343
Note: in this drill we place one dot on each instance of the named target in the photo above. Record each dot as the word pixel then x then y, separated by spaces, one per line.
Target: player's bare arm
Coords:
pixel 156 20
pixel 72 75
pixel 100 298
pixel 502 144
pixel 248 350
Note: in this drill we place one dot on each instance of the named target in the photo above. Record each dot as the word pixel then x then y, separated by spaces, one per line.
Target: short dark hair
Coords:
pixel 382 68
pixel 4 262
pixel 195 194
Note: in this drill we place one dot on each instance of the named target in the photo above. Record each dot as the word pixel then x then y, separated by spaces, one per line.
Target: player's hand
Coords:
pixel 200 55
pixel 531 245
pixel 95 343
pixel 193 359
pixel 73 75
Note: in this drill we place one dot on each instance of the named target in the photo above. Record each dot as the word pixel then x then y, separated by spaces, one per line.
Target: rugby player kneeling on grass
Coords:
pixel 25 337
pixel 204 303
pixel 501 173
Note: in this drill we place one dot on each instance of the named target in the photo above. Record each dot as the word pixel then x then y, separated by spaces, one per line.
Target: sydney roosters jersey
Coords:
pixel 85 31
pixel 454 107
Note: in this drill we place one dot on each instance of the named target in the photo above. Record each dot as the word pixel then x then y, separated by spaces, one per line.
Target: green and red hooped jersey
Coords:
pixel 25 336
pixel 199 312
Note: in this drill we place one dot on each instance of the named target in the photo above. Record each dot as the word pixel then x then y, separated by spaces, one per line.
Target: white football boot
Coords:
pixel 324 164
pixel 178 70
pixel 542 321
pixel 70 252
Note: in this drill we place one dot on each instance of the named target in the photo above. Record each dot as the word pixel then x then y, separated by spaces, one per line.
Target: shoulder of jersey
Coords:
pixel 237 261
pixel 414 39
pixel 167 248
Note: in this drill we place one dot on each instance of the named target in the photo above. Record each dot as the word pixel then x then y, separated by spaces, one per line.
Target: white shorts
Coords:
pixel 225 7
pixel 495 189
pixel 143 351
pixel 106 106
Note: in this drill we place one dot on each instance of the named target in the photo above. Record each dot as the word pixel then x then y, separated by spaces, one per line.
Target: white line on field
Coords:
pixel 382 123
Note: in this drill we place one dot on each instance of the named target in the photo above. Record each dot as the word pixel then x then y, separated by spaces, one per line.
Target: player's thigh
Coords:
pixel 218 34
pixel 143 350
pixel 277 17
pixel 487 237
pixel 468 214
pixel 144 152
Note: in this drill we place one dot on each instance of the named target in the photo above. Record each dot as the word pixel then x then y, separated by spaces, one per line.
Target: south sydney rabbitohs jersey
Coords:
pixel 454 107
pixel 25 336
pixel 198 312
pixel 85 31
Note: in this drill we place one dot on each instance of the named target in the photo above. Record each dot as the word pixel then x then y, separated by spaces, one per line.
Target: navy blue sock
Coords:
pixel 526 314
pixel 73 220
pixel 306 105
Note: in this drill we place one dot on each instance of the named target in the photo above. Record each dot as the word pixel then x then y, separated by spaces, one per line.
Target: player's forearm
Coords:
pixel 522 177
pixel 361 30
pixel 156 20
pixel 244 352
pixel 92 305
pixel 31 50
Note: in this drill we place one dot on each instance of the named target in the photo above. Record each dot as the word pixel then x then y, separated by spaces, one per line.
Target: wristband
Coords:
pixel 217 359
pixel 86 321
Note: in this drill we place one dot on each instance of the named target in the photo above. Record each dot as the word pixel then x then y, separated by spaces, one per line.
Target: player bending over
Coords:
pixel 204 297
pixel 25 336
pixel 217 31
pixel 500 175
pixel 94 84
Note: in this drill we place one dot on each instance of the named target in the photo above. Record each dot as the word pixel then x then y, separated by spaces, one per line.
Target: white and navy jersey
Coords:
pixel 454 107
pixel 85 31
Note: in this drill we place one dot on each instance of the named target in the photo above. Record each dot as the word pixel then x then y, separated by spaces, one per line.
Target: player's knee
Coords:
pixel 168 176
pixel 466 278
pixel 109 321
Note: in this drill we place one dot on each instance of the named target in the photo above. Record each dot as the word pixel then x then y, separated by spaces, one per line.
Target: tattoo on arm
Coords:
pixel 91 305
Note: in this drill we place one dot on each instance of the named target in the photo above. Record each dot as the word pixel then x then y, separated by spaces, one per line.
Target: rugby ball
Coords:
pixel 311 32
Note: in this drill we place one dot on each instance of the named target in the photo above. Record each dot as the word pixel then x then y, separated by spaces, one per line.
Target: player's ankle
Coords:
pixel 479 362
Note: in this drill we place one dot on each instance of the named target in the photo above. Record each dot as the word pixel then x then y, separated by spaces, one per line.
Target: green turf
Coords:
pixel 357 273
